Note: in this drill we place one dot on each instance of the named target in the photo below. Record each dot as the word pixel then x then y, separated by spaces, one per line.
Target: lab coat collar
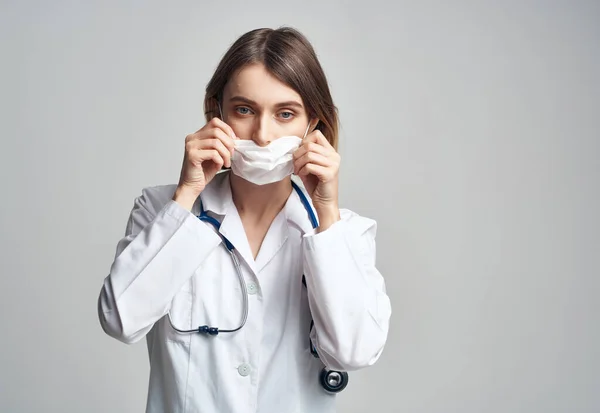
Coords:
pixel 216 196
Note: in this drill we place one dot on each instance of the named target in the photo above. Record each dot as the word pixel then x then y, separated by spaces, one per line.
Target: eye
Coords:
pixel 286 115
pixel 242 110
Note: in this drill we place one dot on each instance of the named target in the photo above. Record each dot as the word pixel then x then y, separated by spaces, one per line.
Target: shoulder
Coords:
pixel 349 219
pixel 358 224
pixel 154 198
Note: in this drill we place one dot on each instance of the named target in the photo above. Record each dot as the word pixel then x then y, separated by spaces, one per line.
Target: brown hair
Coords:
pixel 289 56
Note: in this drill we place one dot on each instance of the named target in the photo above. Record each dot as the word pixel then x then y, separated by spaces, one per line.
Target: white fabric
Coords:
pixel 264 164
pixel 170 260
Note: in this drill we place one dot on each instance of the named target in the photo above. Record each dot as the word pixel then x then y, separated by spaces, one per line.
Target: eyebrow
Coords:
pixel 289 103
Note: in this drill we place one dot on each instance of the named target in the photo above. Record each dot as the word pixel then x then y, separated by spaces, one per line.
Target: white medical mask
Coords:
pixel 264 164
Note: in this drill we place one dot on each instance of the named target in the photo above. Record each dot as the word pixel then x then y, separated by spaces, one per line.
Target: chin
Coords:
pixel 284 181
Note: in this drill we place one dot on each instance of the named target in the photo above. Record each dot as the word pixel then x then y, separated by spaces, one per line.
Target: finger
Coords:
pixel 310 147
pixel 202 155
pixel 318 137
pixel 210 132
pixel 224 138
pixel 212 143
pixel 207 134
pixel 219 146
pixel 323 173
pixel 312 157
pixel 216 122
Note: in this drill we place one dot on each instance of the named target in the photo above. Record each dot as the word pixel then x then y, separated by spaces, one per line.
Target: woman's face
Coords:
pixel 259 107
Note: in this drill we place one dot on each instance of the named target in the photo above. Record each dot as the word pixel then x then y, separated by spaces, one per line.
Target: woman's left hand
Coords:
pixel 317 163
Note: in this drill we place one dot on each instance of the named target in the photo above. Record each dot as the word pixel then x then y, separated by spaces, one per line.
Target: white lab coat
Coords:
pixel 169 260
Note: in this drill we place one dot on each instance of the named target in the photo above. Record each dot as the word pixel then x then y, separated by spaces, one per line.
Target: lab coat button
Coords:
pixel 252 288
pixel 244 369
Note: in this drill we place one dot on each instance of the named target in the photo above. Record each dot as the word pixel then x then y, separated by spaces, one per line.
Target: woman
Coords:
pixel 313 296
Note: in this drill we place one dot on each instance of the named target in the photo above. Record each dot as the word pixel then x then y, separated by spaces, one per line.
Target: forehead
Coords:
pixel 254 82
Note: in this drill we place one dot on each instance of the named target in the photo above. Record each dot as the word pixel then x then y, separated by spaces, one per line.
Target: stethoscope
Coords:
pixel 331 380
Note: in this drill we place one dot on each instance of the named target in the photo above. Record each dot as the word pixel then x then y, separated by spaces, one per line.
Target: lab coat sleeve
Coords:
pixel 347 295
pixel 164 244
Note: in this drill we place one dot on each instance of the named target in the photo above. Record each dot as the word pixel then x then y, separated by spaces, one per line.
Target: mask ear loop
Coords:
pixel 220 111
pixel 306 132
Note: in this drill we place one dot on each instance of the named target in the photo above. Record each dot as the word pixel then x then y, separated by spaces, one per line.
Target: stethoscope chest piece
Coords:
pixel 333 381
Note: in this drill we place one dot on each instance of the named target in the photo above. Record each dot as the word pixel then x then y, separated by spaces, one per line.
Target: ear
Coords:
pixel 313 124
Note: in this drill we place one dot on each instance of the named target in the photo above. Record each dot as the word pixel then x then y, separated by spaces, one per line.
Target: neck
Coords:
pixel 258 202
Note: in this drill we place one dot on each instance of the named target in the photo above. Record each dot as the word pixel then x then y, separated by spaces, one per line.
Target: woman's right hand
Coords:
pixel 206 152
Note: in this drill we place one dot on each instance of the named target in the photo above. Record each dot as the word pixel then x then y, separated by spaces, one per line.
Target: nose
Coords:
pixel 263 130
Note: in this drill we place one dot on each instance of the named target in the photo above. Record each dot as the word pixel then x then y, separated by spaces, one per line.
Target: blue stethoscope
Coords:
pixel 331 380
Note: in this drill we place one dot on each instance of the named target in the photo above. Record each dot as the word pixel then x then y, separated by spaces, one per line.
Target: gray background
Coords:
pixel 471 133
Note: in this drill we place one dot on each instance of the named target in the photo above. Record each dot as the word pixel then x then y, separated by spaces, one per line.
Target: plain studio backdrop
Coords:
pixel 470 132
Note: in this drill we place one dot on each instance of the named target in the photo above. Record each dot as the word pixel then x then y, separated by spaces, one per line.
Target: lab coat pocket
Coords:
pixel 180 317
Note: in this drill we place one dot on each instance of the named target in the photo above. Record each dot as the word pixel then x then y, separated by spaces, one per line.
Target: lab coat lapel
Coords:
pixel 217 199
pixel 233 229
pixel 296 214
pixel 276 236
pixel 292 215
